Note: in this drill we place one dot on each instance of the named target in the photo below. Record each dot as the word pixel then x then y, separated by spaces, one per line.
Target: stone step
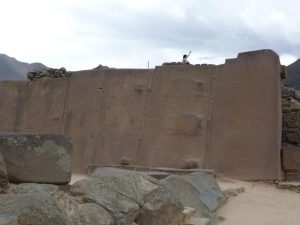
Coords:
pixel 156 172
pixel 292 176
pixel 289 185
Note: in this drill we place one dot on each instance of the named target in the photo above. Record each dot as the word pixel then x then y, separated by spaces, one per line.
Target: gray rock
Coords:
pixel 230 192
pixel 130 196
pixel 160 207
pixel 186 193
pixel 3 175
pixel 34 188
pixel 110 195
pixel 209 191
pixel 44 73
pixel 33 158
pixel 37 209
pixel 81 213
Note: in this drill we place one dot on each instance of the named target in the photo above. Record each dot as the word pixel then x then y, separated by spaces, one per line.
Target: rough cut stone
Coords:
pixel 3 175
pixel 37 158
pixel 37 209
pixel 130 196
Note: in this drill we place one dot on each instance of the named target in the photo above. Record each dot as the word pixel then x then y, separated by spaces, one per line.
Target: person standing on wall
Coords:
pixel 185 57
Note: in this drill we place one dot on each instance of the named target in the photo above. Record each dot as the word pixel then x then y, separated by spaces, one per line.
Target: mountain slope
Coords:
pixel 293 75
pixel 12 69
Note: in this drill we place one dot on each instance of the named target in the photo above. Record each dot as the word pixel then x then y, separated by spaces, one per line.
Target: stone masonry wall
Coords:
pixel 290 116
pixel 178 116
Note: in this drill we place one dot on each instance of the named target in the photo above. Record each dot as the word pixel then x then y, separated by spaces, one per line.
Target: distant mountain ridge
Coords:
pixel 293 75
pixel 12 69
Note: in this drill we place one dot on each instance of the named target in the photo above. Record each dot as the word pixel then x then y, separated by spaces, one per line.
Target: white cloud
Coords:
pixel 81 34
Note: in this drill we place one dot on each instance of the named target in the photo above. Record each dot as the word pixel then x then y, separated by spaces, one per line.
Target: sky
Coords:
pixel 81 34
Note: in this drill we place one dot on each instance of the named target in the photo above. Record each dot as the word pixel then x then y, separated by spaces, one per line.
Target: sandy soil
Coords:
pixel 260 204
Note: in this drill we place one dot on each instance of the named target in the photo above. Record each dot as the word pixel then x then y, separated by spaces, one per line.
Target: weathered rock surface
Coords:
pixel 74 210
pixel 130 196
pixel 34 188
pixel 209 190
pixel 24 209
pixel 196 190
pixel 186 193
pixel 81 213
pixel 43 158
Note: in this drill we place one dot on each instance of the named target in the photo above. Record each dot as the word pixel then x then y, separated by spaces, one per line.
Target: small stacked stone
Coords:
pixel 173 63
pixel 101 67
pixel 48 73
pixel 290 116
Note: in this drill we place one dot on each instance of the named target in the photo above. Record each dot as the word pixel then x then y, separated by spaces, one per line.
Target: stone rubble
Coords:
pixel 48 73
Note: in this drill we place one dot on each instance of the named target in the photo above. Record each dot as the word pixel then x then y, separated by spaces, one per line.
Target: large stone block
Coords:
pixel 291 158
pixel 37 158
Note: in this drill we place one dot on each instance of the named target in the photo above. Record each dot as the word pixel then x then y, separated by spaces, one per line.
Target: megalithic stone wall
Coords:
pixel 246 117
pixel 225 117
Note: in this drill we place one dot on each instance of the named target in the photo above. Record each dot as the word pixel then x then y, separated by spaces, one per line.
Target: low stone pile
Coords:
pixel 101 67
pixel 48 73
pixel 174 63
pixel 290 116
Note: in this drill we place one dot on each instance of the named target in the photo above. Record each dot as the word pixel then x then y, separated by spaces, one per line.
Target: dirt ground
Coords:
pixel 260 204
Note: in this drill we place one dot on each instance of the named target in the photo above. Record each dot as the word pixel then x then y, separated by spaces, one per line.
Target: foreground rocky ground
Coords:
pixel 113 196
pixel 35 170
pixel 260 204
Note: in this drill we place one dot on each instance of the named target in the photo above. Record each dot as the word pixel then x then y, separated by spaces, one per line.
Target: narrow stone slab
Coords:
pixel 37 158
pixel 3 175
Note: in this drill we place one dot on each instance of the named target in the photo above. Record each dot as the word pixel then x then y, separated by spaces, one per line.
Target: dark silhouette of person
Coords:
pixel 185 57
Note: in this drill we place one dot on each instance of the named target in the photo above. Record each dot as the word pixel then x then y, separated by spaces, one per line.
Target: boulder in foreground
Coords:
pixel 130 197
